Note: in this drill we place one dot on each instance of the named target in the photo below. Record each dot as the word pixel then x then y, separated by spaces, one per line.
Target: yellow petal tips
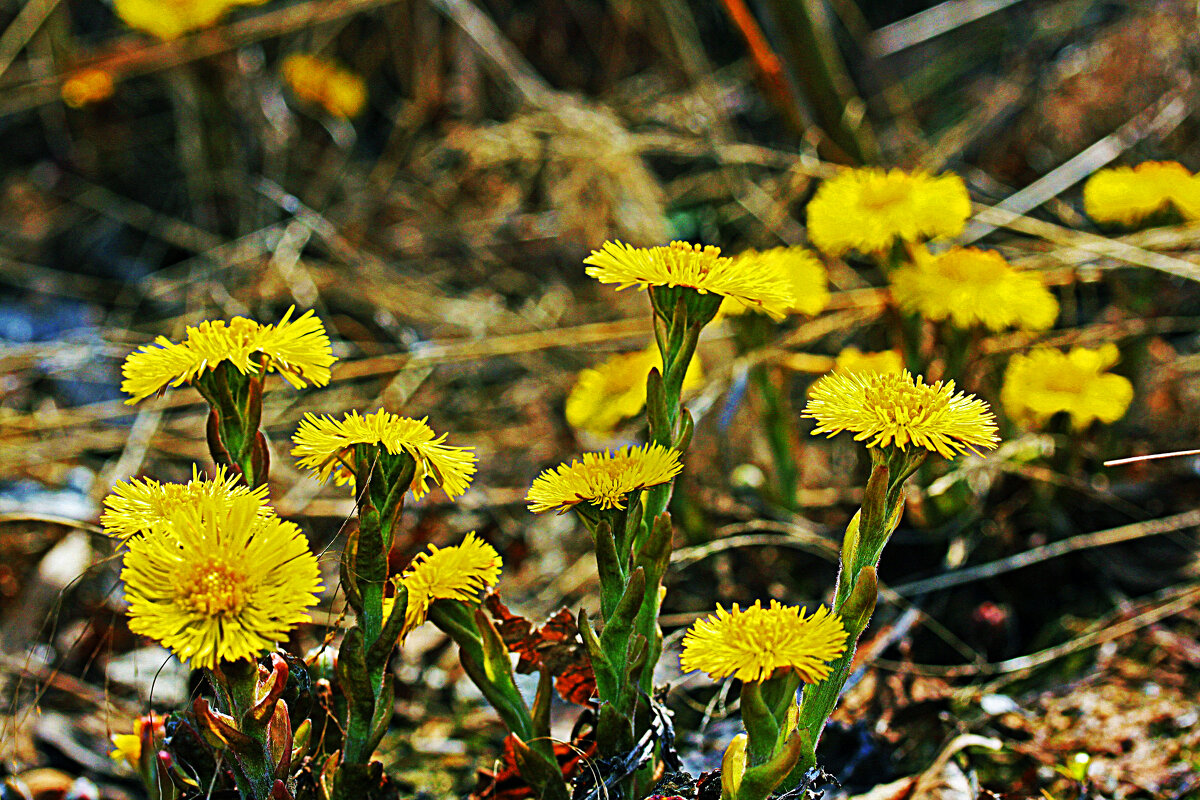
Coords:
pixel 603 479
pixel 298 349
pixel 895 409
pixel 326 445
pixel 751 644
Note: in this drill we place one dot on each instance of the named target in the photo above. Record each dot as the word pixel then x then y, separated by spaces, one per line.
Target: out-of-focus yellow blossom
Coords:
pixel 603 479
pixel 889 409
pixel 810 289
pixel 1044 382
pixel 170 19
pixel 853 361
pixel 459 572
pixel 299 350
pixel 751 644
pixel 868 209
pixel 217 581
pixel 615 389
pixel 703 269
pixel 970 287
pixel 324 83
pixel 1128 195
pixel 326 446
pixel 90 85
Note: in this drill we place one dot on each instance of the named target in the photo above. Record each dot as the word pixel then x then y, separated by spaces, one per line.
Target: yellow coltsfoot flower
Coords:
pixel 615 389
pixel 604 480
pixel 326 446
pixel 804 271
pixel 890 409
pixel 696 267
pixel 971 287
pixel 868 209
pixel 218 581
pixel 324 83
pixel 298 349
pixel 459 572
pixel 752 644
pixel 137 506
pixel 1044 382
pixel 170 19
pixel 1128 195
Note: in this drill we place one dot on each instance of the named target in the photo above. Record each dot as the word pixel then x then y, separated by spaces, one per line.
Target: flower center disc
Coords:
pixel 213 590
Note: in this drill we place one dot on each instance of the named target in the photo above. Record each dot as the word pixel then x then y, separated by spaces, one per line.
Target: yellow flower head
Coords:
pixel 136 506
pixel 459 573
pixel 974 287
pixel 127 747
pixel 853 361
pixel 603 479
pixel 170 19
pixel 868 209
pixel 805 272
pixel 695 267
pixel 324 83
pixel 1046 381
pixel 889 409
pixel 326 446
pixel 218 581
pixel 91 85
pixel 752 644
pixel 299 350
pixel 616 389
pixel 1128 195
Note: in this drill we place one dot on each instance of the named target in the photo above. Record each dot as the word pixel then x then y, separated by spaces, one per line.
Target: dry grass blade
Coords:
pixel 1085 541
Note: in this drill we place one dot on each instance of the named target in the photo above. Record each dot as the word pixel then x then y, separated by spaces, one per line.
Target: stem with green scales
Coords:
pixel 633 544
pixel 488 663
pixel 251 724
pixel 757 762
pixel 234 418
pixel 857 587
pixel 382 480
pixel 752 331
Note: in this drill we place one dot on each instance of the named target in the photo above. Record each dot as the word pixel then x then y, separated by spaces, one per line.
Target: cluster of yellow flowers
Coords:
pixel 212 573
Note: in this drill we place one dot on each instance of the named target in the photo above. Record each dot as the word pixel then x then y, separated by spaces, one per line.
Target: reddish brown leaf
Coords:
pixel 555 647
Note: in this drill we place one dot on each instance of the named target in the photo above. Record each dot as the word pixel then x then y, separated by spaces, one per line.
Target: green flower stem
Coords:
pixel 857 589
pixel 382 480
pixel 487 662
pixel 235 415
pixel 249 714
pixel 776 419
